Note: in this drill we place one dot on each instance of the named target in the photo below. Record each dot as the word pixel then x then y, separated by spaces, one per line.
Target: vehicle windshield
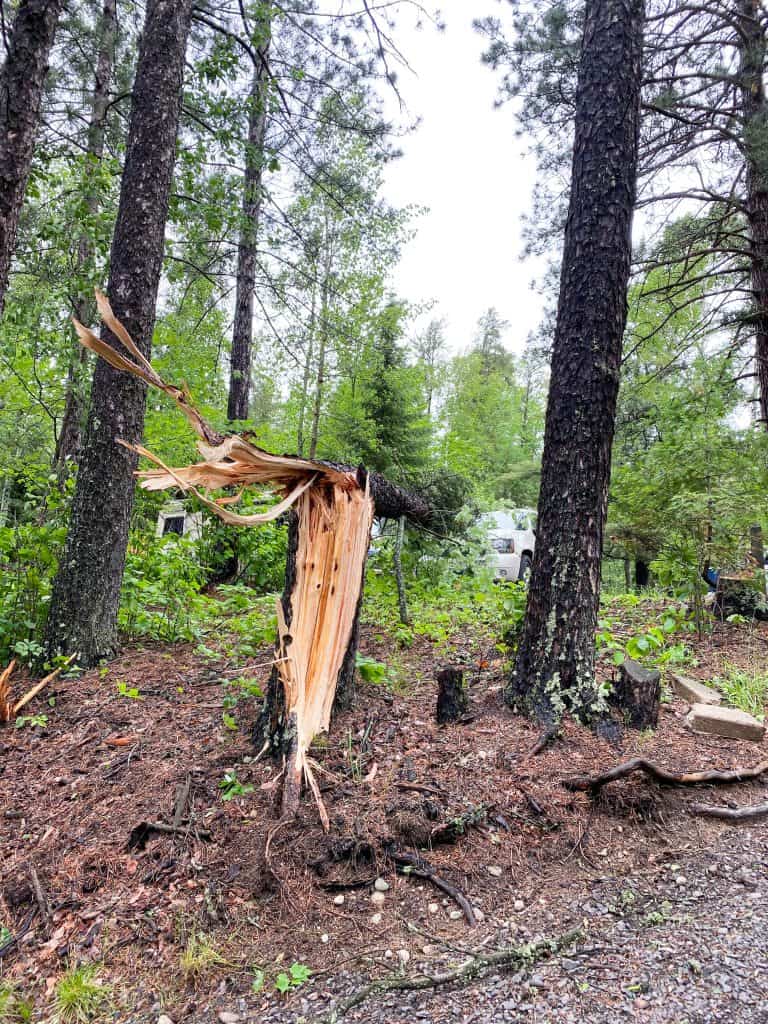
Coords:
pixel 511 519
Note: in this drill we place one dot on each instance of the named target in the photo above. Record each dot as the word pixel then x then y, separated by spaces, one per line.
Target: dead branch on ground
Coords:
pixel 750 813
pixel 477 965
pixel 592 783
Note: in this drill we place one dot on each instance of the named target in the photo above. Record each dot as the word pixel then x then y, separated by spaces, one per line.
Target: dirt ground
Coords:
pixel 199 925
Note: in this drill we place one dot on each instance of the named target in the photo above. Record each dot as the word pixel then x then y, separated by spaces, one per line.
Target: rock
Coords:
pixel 380 885
pixel 519 905
pixel 495 870
pixel 403 956
pixel 164 1019
pixel 693 691
pixel 479 915
pixel 456 915
pixel 378 898
pixel 324 938
pixel 728 722
pixel 339 900
pixel 433 908
pixel 388 954
pixel 228 1018
pixel 680 880
pixel 376 919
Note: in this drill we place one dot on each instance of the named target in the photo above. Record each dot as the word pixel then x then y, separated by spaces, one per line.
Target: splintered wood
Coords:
pixel 335 514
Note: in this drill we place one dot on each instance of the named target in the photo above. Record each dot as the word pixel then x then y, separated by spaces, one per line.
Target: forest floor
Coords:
pixel 200 925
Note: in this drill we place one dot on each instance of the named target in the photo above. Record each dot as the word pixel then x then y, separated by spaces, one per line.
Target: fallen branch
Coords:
pixel 139 836
pixel 548 736
pixel 39 686
pixel 39 891
pixel 475 967
pixel 5 692
pixel 592 783
pixel 413 865
pixel 750 813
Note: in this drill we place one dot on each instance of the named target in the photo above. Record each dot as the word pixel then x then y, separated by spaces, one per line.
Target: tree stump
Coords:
pixel 637 694
pixel 451 695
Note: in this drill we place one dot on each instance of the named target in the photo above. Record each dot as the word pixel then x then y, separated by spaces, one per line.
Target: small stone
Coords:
pixel 388 954
pixel 519 905
pixel 380 885
pixel 339 900
pixel 228 1018
pixel 433 908
pixel 456 915
pixel 378 898
pixel 324 937
pixel 403 956
pixel 376 919
pixel 537 981
pixel 479 915
pixel 680 880
pixel 495 870
pixel 164 1019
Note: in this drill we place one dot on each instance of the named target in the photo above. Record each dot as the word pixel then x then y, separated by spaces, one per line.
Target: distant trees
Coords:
pixel 554 665
pixel 703 147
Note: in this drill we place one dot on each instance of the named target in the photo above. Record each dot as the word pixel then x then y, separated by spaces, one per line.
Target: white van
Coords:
pixel 513 538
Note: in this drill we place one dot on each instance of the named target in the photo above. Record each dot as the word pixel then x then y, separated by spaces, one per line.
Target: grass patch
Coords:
pixel 747 691
pixel 81 995
pixel 199 957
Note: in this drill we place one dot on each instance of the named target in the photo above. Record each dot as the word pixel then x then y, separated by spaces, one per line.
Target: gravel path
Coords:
pixel 683 943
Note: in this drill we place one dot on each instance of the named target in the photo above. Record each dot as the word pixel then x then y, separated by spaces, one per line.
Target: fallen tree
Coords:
pixel 332 508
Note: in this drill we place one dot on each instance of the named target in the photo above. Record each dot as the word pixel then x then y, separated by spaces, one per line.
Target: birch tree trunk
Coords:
pixel 22 78
pixel 86 592
pixel 554 669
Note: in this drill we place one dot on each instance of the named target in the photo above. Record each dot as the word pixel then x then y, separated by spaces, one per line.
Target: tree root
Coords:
pixel 750 813
pixel 414 865
pixel 477 965
pixel 592 783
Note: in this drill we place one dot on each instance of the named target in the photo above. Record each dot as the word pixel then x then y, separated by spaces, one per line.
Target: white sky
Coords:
pixel 465 164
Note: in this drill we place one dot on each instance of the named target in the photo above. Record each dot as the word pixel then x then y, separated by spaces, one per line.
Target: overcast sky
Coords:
pixel 464 163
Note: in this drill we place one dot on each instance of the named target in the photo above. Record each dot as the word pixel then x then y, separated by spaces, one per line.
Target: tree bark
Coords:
pixel 22 79
pixel 70 435
pixel 397 559
pixel 637 694
pixel 238 404
pixel 755 119
pixel 451 695
pixel 554 669
pixel 86 592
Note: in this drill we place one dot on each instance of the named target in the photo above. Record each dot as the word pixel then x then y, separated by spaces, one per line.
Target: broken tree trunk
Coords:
pixel 637 694
pixel 332 509
pixel 451 695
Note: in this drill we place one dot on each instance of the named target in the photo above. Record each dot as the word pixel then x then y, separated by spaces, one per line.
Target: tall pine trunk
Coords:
pixel 86 592
pixel 69 439
pixel 22 78
pixel 238 404
pixel 755 117
pixel 554 668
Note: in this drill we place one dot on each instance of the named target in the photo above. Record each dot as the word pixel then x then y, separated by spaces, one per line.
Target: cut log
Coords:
pixel 637 694
pixel 451 695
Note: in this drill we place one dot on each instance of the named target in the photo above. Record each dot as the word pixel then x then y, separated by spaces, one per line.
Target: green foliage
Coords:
pixel 371 671
pixel 296 976
pixel 14 1008
pixel 32 721
pixel 161 590
pixel 80 996
pixel 231 787
pixel 199 957
pixel 745 690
